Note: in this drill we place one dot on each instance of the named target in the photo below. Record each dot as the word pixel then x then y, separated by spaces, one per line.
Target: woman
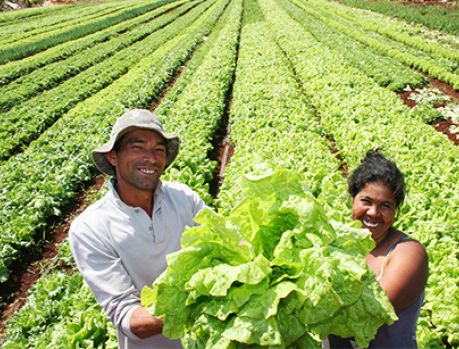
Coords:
pixel 400 263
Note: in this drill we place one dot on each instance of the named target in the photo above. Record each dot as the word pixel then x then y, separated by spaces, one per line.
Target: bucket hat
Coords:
pixel 132 119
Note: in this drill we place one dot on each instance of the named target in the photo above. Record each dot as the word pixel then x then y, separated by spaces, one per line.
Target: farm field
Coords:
pixel 249 86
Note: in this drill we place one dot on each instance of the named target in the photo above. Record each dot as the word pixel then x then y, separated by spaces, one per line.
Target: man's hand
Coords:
pixel 145 325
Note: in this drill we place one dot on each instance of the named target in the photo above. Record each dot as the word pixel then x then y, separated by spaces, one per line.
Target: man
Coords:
pixel 120 242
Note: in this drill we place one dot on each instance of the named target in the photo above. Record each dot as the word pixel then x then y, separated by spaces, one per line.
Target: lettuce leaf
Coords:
pixel 274 272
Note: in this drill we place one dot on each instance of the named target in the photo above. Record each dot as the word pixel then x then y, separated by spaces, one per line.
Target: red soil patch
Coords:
pixel 443 126
pixel 447 89
pixel 24 279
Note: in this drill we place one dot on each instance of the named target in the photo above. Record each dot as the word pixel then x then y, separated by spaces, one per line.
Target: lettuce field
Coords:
pixel 250 86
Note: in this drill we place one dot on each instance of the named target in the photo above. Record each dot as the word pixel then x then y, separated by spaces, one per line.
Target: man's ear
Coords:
pixel 111 158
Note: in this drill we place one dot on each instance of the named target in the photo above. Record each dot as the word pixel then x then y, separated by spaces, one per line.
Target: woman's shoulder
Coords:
pixel 406 246
pixel 406 273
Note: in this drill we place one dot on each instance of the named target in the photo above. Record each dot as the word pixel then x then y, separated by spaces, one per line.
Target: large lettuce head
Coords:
pixel 273 272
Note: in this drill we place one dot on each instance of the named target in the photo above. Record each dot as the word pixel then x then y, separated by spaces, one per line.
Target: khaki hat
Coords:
pixel 132 119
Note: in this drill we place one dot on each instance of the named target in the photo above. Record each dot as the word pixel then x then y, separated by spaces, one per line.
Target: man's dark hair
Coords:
pixel 376 168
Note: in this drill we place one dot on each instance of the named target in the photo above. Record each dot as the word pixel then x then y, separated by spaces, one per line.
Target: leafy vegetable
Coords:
pixel 274 272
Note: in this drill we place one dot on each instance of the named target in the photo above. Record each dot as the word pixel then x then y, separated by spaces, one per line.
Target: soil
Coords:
pixel 443 126
pixel 14 295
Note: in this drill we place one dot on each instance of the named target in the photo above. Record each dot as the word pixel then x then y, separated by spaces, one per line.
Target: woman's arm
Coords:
pixel 405 274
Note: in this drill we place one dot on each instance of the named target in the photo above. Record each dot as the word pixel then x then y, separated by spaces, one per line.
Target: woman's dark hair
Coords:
pixel 376 168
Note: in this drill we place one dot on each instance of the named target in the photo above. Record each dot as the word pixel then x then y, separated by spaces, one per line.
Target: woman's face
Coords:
pixel 375 207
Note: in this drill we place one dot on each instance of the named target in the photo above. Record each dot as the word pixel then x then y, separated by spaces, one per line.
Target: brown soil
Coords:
pixel 225 151
pixel 443 126
pixel 342 164
pixel 24 278
pixel 446 88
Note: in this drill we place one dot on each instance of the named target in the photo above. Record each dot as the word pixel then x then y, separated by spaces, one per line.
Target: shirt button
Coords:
pixel 136 210
pixel 150 229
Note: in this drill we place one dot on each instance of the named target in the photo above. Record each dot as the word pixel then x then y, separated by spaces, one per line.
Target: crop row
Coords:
pixel 15 33
pixel 12 17
pixel 272 125
pixel 446 63
pixel 201 107
pixel 22 123
pixel 12 70
pixel 403 34
pixel 425 64
pixel 384 70
pixel 442 61
pixel 41 320
pixel 43 41
pixel 436 17
pixel 54 166
pixel 50 75
pixel 361 116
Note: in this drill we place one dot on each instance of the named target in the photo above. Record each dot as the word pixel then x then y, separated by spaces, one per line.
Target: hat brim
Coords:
pixel 98 154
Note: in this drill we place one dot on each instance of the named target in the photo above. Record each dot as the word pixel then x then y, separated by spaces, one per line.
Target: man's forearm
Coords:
pixel 145 325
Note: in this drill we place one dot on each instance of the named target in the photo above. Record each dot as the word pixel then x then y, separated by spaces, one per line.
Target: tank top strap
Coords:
pixel 389 251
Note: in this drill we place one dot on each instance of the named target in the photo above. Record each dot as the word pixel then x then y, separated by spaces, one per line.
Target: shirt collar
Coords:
pixel 115 198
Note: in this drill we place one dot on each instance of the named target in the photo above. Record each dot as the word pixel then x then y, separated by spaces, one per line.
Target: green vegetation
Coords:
pixel 306 88
pixel 436 17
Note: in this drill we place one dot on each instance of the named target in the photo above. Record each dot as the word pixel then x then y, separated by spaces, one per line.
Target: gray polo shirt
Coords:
pixel 119 249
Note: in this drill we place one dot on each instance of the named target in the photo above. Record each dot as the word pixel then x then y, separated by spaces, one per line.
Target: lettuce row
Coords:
pixel 273 273
pixel 373 23
pixel 54 166
pixel 60 313
pixel 384 70
pixel 12 18
pixel 361 116
pixel 26 29
pixel 41 42
pixel 437 17
pixel 272 125
pixel 12 70
pixel 425 64
pixel 50 75
pixel 31 118
pixel 200 107
pixel 70 329
pixel 447 64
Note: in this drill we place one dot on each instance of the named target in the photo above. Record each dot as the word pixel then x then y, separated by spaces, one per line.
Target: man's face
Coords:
pixel 140 160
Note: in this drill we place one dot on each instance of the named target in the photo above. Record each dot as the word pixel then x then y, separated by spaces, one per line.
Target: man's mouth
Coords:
pixel 148 171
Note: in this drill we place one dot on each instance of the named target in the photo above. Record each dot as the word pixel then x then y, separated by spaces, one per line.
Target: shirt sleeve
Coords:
pixel 105 274
pixel 199 204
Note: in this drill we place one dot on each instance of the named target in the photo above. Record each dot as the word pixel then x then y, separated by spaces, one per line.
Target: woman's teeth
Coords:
pixel 370 224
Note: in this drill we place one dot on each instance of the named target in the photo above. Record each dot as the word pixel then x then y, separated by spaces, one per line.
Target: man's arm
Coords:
pixel 145 325
pixel 110 283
